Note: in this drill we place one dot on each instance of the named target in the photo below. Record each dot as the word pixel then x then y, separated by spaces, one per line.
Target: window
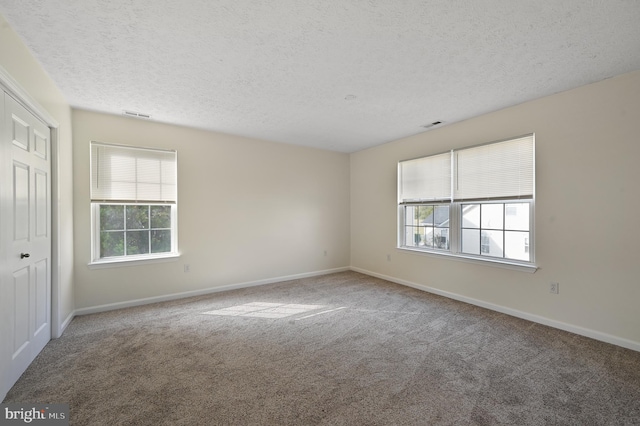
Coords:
pixel 503 229
pixel 427 225
pixel 474 202
pixel 133 202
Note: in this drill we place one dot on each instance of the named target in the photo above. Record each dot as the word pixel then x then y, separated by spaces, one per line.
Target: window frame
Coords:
pixel 455 239
pixel 95 240
pixel 455 224
pixel 433 226
pixel 131 259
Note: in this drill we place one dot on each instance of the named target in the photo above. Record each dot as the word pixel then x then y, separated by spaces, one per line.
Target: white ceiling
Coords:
pixel 342 75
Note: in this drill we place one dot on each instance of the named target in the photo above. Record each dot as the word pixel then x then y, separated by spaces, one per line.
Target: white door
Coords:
pixel 25 239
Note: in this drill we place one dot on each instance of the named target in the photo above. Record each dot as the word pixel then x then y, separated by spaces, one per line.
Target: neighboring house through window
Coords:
pixel 133 202
pixel 474 202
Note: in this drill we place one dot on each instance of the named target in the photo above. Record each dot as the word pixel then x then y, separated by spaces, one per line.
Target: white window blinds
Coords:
pixel 495 171
pixel 500 170
pixel 129 174
pixel 425 179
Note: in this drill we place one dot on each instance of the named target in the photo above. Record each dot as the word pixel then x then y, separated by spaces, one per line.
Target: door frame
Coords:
pixel 13 88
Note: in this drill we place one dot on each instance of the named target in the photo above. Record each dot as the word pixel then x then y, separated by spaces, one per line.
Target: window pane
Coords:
pixel 137 218
pixel 137 242
pixel 410 216
pixel 471 241
pixel 160 217
pixel 516 245
pixel 471 216
pixel 516 217
pixel 425 215
pixel 160 241
pixel 441 216
pixel 492 216
pixel 111 244
pixel 441 238
pixel 491 243
pixel 111 217
pixel 428 237
pixel 409 236
pixel 420 236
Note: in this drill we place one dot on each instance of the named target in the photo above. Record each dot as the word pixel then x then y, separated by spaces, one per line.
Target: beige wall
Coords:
pixel 252 210
pixel 248 210
pixel 20 64
pixel 586 214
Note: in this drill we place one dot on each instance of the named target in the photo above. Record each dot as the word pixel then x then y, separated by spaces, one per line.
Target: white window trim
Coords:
pixel 116 262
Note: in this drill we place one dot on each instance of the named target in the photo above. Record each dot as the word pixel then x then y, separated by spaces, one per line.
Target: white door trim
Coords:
pixel 13 88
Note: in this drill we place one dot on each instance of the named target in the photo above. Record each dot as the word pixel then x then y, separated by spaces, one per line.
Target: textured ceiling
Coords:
pixel 335 74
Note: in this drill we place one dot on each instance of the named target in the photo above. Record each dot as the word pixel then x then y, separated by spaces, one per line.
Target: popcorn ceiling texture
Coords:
pixel 281 69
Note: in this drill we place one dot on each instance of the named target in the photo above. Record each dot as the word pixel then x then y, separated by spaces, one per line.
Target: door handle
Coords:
pixel 23 255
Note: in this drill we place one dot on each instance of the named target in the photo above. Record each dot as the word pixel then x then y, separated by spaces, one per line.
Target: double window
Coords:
pixel 133 202
pixel 475 202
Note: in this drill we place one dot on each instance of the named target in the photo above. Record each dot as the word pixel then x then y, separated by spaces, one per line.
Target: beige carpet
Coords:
pixel 341 349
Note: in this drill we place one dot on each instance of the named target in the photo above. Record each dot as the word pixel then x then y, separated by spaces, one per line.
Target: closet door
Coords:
pixel 25 252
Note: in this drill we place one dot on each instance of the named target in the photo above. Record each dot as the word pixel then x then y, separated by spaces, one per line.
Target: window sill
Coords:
pixel 515 266
pixel 134 261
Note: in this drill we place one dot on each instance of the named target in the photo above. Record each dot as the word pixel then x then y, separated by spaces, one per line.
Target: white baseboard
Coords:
pixel 174 296
pixel 597 335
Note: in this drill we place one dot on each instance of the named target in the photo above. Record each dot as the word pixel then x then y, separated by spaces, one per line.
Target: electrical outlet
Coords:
pixel 554 288
pixel 187 268
pixel 325 252
pixel 388 258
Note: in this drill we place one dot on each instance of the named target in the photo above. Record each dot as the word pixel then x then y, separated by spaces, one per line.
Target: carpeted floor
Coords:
pixel 340 349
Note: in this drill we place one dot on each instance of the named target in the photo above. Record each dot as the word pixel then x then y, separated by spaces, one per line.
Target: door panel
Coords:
pixel 41 204
pixel 21 298
pixel 25 239
pixel 20 202
pixel 20 132
pixel 40 144
pixel 41 282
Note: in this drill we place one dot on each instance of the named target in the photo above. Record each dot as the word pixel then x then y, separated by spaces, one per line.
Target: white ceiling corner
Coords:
pixel 284 70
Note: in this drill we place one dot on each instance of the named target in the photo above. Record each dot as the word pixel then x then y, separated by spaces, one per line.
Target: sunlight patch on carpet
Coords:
pixel 322 312
pixel 265 310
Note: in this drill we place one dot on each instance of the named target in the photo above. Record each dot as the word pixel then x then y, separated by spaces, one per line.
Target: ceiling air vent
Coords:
pixel 136 114
pixel 430 125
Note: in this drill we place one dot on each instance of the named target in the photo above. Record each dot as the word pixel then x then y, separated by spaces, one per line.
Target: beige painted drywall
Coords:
pixel 586 215
pixel 18 61
pixel 587 206
pixel 248 210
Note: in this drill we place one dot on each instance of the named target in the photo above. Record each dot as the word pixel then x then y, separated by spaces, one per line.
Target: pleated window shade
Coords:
pixel 425 179
pixel 500 170
pixel 495 171
pixel 122 174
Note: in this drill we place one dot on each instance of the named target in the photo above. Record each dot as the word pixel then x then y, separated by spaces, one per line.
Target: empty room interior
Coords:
pixel 338 212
